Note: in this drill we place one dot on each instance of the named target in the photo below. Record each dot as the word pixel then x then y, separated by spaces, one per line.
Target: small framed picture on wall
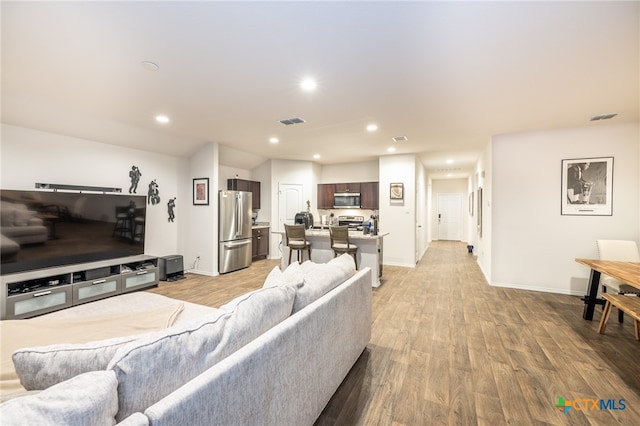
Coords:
pixel 396 191
pixel 201 192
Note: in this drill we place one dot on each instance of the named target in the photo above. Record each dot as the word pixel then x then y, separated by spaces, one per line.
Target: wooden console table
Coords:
pixel 628 272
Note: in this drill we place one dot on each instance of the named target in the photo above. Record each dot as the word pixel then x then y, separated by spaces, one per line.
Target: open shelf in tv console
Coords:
pixel 31 293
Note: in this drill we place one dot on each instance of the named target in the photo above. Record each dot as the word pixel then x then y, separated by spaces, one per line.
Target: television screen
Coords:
pixel 43 229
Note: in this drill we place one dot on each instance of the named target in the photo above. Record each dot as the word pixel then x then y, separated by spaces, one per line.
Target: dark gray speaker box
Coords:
pixel 170 266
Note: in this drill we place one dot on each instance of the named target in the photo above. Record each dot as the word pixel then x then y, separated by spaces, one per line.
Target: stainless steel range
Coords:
pixel 353 222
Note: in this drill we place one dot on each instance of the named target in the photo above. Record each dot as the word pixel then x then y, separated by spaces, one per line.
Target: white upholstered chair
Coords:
pixel 622 250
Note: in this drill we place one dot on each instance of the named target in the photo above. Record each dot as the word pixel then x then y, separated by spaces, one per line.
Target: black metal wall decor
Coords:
pixel 134 175
pixel 153 194
pixel 170 205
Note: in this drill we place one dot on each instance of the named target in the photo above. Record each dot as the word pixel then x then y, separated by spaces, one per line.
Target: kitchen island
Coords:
pixel 369 250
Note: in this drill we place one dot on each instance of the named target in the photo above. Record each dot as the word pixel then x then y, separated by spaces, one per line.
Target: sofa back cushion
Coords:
pixel 88 399
pixel 40 360
pixel 320 278
pixel 151 368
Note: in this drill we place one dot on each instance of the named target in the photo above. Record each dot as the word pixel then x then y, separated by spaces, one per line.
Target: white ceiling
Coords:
pixel 447 75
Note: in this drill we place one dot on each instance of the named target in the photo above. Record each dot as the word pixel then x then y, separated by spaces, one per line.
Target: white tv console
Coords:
pixel 31 293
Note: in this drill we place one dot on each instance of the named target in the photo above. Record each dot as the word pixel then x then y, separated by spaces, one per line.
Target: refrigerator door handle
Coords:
pixel 233 244
pixel 238 213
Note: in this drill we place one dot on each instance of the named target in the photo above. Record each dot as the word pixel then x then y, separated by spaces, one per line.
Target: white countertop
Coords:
pixel 354 235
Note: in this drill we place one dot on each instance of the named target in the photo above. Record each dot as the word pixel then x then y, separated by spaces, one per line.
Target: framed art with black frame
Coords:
pixel 201 192
pixel 587 187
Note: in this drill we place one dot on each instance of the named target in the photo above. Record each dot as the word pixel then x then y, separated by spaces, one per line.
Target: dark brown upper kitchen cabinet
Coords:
pixel 248 186
pixel 325 195
pixel 369 195
pixel 347 187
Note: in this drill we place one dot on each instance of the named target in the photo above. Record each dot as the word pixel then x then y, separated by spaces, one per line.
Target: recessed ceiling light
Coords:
pixel 449 161
pixel 449 174
pixel 162 119
pixel 316 156
pixel 391 149
pixel 274 140
pixel 372 127
pixel 308 84
pixel 150 66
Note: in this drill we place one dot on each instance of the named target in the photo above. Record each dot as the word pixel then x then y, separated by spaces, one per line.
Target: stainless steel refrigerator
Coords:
pixel 234 230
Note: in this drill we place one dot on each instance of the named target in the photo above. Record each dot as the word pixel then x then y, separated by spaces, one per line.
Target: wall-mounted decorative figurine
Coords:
pixel 134 174
pixel 170 205
pixel 154 193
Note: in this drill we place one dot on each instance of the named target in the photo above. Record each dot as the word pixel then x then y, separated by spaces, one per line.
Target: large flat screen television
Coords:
pixel 41 229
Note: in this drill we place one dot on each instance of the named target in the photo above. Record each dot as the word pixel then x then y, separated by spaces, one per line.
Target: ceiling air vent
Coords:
pixel 603 117
pixel 290 121
pixel 400 139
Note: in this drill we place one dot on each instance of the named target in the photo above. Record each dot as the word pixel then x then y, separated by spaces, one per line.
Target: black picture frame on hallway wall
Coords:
pixel 587 187
pixel 201 192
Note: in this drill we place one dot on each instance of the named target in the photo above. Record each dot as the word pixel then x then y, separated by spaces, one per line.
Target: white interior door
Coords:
pixel 449 217
pixel 290 202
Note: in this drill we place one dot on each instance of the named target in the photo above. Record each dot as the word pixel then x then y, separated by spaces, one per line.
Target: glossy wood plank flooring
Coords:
pixel 448 349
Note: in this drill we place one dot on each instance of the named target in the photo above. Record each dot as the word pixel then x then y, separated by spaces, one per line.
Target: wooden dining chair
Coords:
pixel 296 239
pixel 340 242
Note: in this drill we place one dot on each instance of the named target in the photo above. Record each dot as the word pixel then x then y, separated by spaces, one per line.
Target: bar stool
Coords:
pixel 139 225
pixel 296 239
pixel 122 226
pixel 340 242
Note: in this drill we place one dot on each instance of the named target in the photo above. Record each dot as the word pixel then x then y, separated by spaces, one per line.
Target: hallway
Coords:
pixel 447 348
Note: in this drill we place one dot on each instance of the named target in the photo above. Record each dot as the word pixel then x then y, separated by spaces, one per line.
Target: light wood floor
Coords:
pixel 448 349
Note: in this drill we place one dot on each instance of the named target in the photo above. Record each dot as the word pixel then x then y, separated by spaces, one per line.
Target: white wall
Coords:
pixel 422 210
pixel 398 219
pixel 483 179
pixel 202 231
pixel 532 245
pixel 30 156
pixel 366 171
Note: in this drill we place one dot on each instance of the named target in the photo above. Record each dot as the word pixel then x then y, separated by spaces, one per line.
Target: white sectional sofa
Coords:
pixel 274 356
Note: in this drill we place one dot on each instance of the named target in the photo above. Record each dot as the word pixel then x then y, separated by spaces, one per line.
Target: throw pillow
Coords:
pixel 7 214
pixel 274 279
pixel 321 278
pixel 22 217
pixel 149 369
pixel 87 399
pixel 294 275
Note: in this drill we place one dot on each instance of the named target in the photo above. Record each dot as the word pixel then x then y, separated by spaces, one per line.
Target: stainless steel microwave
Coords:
pixel 346 200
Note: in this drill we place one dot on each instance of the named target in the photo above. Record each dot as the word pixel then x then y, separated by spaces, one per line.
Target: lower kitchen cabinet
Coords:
pixel 260 243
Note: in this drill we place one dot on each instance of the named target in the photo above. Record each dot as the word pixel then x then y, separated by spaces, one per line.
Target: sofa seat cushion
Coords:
pixel 41 359
pixel 8 247
pixel 87 399
pixel 14 232
pixel 151 368
pixel 320 278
